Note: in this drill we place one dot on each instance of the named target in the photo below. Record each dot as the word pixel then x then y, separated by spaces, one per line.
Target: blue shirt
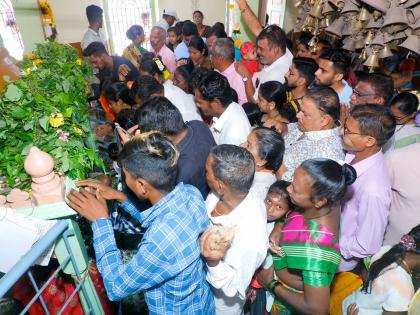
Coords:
pixel 167 266
pixel 181 51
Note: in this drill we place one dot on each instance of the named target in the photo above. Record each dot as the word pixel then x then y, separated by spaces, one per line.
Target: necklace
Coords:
pixel 410 272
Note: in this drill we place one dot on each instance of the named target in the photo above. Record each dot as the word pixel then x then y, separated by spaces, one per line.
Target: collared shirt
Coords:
pixel 405 180
pixel 365 210
pixel 182 101
pixel 301 146
pixel 404 135
pixel 168 58
pixel 232 275
pixel 345 93
pixel 274 72
pixel 92 36
pixel 236 82
pixel 163 24
pixel 167 266
pixel 181 51
pixel 232 127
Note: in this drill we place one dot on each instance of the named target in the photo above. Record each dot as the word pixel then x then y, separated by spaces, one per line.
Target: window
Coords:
pixel 122 14
pixel 9 30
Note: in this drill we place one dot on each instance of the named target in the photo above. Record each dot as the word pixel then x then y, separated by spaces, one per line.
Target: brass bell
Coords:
pixel 349 7
pixel 363 55
pixel 396 15
pixel 364 14
pixel 316 10
pixel 374 24
pixel 309 24
pixel 336 27
pixel 378 40
pixel 380 5
pixel 388 38
pixel 412 43
pixel 337 3
pixel 357 27
pixel 325 22
pixel 369 37
pixel 349 44
pixel 327 8
pixel 385 52
pixel 348 27
pixel 360 42
pixel 373 60
pixel 298 3
pixel 313 42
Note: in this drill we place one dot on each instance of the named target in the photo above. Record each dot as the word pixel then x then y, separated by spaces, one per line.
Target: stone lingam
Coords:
pixel 47 187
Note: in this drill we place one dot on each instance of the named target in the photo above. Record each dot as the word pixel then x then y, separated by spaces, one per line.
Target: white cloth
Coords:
pixel 232 276
pixel 392 291
pixel 274 72
pixel 345 93
pixel 163 24
pixel 183 101
pixel 232 127
pixel 92 36
pixel 261 184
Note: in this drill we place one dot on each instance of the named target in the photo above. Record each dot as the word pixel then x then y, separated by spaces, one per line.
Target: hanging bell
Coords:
pixel 325 22
pixel 336 27
pixel 378 40
pixel 309 24
pixel 316 10
pixel 298 3
pixel 337 3
pixel 369 37
pixel 357 27
pixel 364 14
pixel 411 3
pixel 373 60
pixel 400 35
pixel 349 7
pixel 396 17
pixel 380 5
pixel 348 27
pixel 413 14
pixel 349 44
pixel 327 8
pixel 313 42
pixel 363 55
pixel 374 24
pixel 388 38
pixel 360 41
pixel 385 52
pixel 412 43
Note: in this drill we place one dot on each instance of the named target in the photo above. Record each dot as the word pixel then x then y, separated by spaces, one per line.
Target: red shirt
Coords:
pixel 252 65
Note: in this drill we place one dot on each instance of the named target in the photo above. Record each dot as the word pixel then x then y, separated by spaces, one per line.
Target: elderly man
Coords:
pixel 159 48
pixel 223 60
pixel 168 19
pixel 316 134
pixel 372 88
pixel 233 205
pixel 214 97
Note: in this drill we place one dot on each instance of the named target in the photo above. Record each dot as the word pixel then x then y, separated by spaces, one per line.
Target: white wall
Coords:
pixel 213 10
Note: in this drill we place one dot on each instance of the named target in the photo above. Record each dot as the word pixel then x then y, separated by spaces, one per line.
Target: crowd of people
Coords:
pixel 267 179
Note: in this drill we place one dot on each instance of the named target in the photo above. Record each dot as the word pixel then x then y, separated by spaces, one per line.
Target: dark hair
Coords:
pixel 189 28
pixel 224 47
pixel 215 86
pixel 381 84
pixel 375 121
pixel 330 179
pixel 270 147
pixel 325 43
pixel 153 158
pixel 304 39
pixel 134 31
pixel 127 118
pixel 118 91
pixel 274 91
pixel 234 166
pixel 406 102
pixel 306 68
pixel 253 113
pixel 395 255
pixel 149 65
pixel 174 29
pixel 219 25
pixel 197 76
pixel 143 87
pixel 281 186
pixel 219 32
pixel 197 43
pixel 326 99
pixel 93 13
pixel 96 49
pixel 186 71
pixel 161 115
pixel 199 12
pixel 275 35
pixel 340 59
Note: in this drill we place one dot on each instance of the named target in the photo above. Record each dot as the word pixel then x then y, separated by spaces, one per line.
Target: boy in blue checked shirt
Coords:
pixel 167 266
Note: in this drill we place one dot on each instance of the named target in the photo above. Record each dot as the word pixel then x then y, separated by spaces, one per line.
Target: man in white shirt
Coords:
pixel 214 97
pixel 333 66
pixel 274 55
pixel 232 206
pixel 146 87
pixel 95 32
pixel 168 19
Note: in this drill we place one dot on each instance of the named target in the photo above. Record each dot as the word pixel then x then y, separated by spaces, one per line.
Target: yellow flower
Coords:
pixel 37 62
pixel 56 120
pixel 28 70
pixel 231 5
pixel 77 130
pixel 238 43
pixel 31 56
pixel 79 62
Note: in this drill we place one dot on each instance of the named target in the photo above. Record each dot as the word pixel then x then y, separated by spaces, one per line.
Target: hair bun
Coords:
pixel 349 173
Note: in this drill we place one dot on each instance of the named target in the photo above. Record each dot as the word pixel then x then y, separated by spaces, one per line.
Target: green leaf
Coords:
pixel 24 136
pixel 66 85
pixel 2 124
pixel 68 112
pixel 65 163
pixel 44 123
pixel 28 126
pixel 20 113
pixel 25 150
pixel 13 93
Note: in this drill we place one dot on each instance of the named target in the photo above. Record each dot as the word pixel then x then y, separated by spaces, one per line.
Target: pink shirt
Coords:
pixel 236 82
pixel 168 58
pixel 365 210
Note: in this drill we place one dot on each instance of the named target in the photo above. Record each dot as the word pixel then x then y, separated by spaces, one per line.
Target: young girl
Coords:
pixel 174 37
pixel 249 57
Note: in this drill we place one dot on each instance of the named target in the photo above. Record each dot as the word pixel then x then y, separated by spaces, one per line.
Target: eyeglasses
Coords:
pixel 402 120
pixel 357 93
pixel 349 132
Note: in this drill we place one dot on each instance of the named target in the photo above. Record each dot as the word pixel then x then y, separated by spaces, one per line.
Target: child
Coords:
pixel 174 37
pixel 277 204
pixel 249 55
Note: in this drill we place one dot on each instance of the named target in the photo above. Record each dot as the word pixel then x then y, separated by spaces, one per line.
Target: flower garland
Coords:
pixel 234 18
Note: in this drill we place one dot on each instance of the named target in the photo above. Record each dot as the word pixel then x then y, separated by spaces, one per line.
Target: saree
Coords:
pixel 310 247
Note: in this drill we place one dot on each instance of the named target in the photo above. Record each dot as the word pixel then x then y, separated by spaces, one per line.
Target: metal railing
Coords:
pixel 60 229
